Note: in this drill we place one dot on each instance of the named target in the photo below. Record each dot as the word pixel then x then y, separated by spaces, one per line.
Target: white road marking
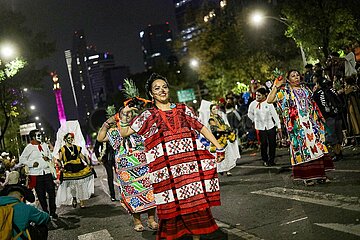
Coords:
pixel 320 198
pixel 289 166
pixel 102 234
pixel 293 221
pixel 236 231
pixel 347 228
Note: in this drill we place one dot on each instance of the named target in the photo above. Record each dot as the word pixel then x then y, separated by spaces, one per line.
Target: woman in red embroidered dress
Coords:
pixel 182 171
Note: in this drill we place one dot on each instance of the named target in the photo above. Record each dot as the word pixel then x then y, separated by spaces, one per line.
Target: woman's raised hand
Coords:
pixel 279 81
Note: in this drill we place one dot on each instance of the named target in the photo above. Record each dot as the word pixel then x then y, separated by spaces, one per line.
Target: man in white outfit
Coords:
pixel 266 122
pixel 36 156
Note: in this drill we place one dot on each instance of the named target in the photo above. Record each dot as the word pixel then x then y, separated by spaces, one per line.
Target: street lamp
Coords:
pixel 194 63
pixel 32 107
pixel 257 18
pixel 7 50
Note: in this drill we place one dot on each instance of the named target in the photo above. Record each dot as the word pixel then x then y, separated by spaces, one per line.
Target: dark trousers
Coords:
pixel 45 184
pixel 268 144
pixel 109 164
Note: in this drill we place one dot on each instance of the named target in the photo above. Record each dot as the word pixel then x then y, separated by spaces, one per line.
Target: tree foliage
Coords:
pixel 230 50
pixel 321 26
pixel 21 72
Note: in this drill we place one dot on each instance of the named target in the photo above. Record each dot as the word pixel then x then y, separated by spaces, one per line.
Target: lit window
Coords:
pixel 168 40
pixel 141 34
pixel 95 62
pixel 93 57
pixel 156 55
pixel 82 87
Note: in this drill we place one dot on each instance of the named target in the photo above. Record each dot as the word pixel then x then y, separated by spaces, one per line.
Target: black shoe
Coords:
pixel 113 199
pixel 54 216
pixel 74 203
pixel 272 164
pixel 266 164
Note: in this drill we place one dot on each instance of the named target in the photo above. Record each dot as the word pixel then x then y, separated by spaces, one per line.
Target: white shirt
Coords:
pixel 350 64
pixel 263 115
pixel 32 154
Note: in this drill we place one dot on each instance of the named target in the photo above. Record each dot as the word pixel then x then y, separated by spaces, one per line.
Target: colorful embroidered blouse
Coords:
pixel 304 124
pixel 182 171
pixel 132 172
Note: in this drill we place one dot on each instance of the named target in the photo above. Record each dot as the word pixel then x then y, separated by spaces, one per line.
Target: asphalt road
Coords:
pixel 257 203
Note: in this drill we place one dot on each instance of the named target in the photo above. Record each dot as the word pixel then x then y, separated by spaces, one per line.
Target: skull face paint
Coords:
pixel 38 136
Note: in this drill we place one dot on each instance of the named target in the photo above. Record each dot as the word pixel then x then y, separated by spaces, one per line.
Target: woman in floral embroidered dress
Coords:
pixel 305 126
pixel 182 171
pixel 131 169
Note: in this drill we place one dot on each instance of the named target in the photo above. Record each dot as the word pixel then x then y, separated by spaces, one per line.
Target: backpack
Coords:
pixel 6 222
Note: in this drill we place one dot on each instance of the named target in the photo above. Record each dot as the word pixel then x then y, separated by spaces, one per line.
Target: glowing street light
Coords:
pixel 7 51
pixel 194 63
pixel 32 107
pixel 257 18
pixel 37 118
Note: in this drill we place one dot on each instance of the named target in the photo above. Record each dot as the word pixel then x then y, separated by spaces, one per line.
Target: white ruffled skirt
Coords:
pixel 231 155
pixel 82 189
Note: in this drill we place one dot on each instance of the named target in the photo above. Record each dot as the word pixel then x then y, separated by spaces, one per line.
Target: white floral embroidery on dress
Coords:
pixel 137 124
pixel 164 197
pixel 208 164
pixel 184 168
pixel 159 175
pixel 212 185
pixel 179 146
pixel 189 190
pixel 154 153
pixel 199 145
pixel 152 130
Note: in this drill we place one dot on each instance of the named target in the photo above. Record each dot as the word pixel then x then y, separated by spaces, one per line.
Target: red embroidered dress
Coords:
pixel 182 171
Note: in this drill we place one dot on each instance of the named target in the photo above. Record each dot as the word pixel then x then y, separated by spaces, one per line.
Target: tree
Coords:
pixel 21 72
pixel 321 26
pixel 230 50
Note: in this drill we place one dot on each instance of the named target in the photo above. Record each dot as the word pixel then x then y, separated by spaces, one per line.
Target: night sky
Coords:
pixel 111 25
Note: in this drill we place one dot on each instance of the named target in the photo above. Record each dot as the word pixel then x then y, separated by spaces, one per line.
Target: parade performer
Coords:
pixel 182 171
pixel 130 161
pixel 267 124
pixel 36 156
pixel 77 180
pixel 305 126
pixel 226 137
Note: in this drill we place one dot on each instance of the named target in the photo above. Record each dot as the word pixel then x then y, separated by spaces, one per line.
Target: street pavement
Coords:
pixel 258 202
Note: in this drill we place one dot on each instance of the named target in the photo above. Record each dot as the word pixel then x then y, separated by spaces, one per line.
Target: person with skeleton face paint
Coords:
pixel 77 176
pixel 36 156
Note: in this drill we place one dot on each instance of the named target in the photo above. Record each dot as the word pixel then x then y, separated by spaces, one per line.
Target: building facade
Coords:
pixel 156 43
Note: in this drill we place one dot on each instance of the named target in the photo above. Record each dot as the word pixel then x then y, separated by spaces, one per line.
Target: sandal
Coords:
pixel 309 183
pixel 153 225
pixel 139 227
